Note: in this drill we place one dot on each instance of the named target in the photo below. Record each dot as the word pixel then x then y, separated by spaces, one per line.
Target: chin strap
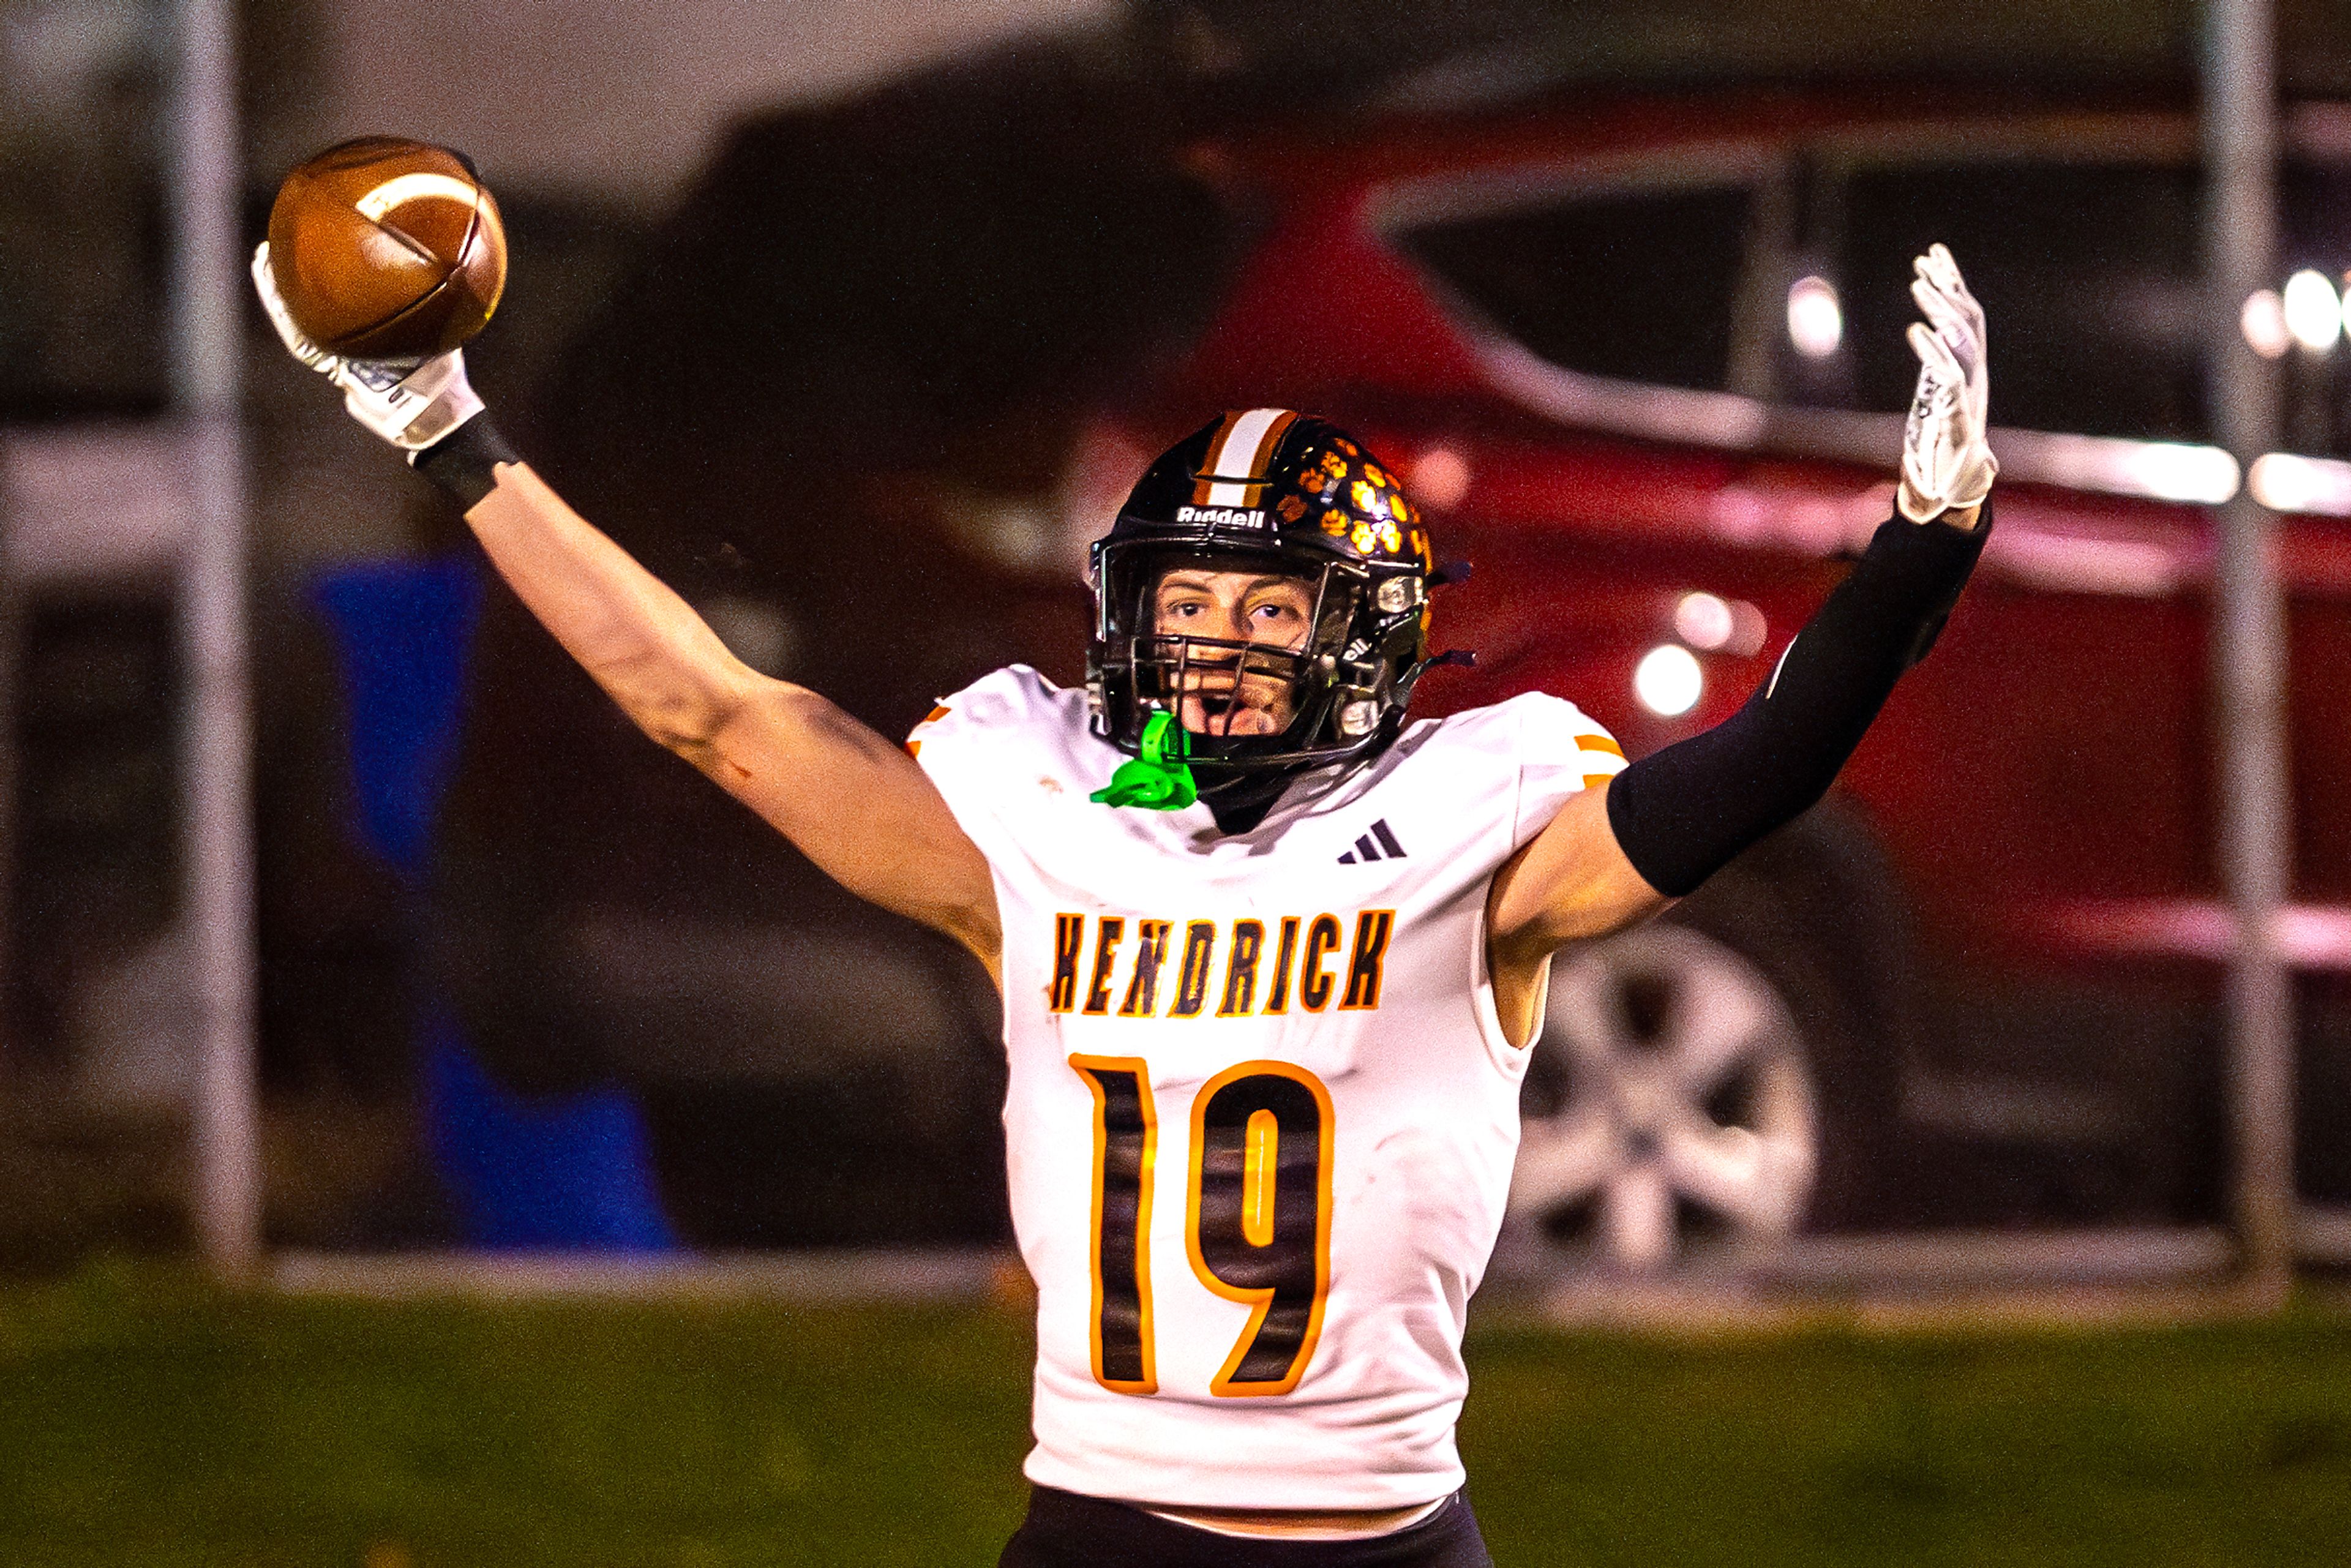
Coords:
pixel 1159 779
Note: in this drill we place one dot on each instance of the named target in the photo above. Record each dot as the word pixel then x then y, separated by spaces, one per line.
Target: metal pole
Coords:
pixel 208 300
pixel 2249 647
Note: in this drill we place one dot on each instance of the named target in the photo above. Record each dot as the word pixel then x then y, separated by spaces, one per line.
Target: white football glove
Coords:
pixel 409 403
pixel 1946 466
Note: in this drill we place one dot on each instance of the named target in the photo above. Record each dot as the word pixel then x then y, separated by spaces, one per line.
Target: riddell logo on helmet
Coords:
pixel 1222 516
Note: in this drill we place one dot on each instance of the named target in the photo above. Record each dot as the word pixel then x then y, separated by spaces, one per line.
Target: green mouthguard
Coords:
pixel 1159 779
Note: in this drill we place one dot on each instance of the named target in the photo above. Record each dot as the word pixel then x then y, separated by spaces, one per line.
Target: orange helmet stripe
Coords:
pixel 1239 454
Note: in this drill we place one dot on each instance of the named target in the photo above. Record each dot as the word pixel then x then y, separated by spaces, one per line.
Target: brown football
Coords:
pixel 387 249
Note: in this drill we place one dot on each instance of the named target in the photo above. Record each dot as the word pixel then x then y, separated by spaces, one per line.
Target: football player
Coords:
pixel 1270 952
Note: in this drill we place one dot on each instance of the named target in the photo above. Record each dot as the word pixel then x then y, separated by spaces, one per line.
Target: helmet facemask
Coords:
pixel 1323 693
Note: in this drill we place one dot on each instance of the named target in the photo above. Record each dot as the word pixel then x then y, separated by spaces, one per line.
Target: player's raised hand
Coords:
pixel 1947 465
pixel 409 403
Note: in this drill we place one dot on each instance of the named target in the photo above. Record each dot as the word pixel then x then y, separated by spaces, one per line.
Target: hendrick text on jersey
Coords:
pixel 1142 966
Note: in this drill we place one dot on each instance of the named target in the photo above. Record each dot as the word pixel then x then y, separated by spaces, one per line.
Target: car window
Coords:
pixel 2088 273
pixel 1640 285
pixel 2088 261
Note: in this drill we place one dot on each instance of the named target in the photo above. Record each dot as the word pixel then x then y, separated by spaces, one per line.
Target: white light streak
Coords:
pixel 1703 621
pixel 2175 471
pixel 1669 681
pixel 1713 624
pixel 2314 311
pixel 1815 319
pixel 2285 482
pixel 2263 320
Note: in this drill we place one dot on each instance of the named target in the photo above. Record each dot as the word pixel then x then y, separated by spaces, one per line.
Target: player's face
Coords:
pixel 1219 696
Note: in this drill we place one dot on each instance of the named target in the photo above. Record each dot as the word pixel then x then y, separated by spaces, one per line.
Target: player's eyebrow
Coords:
pixel 1197 578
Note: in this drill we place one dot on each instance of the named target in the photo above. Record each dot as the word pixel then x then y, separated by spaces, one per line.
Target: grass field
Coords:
pixel 146 1421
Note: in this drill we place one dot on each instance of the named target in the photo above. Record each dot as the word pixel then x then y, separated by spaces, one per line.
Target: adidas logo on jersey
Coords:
pixel 1230 969
pixel 1379 845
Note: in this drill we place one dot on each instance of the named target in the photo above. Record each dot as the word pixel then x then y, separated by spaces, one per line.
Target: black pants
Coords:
pixel 1066 1531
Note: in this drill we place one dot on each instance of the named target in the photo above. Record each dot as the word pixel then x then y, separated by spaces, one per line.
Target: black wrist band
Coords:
pixel 466 461
pixel 1682 814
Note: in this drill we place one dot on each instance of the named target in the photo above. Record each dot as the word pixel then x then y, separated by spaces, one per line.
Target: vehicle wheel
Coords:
pixel 1671 1095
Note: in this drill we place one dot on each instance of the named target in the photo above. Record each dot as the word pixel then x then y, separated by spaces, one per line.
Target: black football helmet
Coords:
pixel 1265 488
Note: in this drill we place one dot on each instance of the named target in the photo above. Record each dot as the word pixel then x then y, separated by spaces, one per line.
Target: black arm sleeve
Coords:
pixel 466 461
pixel 1682 814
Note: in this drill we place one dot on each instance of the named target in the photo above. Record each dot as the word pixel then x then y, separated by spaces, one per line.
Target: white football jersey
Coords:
pixel 1261 1114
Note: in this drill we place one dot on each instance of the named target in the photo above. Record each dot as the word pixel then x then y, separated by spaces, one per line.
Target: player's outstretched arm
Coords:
pixel 855 804
pixel 1620 852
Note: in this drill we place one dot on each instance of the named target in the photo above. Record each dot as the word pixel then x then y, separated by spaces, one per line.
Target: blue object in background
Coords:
pixel 565 1171
pixel 569 1172
pixel 404 634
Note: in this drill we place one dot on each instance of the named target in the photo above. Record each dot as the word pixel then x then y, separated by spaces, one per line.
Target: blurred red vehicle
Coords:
pixel 1643 362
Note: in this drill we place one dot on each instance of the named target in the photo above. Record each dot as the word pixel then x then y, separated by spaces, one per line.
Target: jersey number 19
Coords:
pixel 1257 1223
